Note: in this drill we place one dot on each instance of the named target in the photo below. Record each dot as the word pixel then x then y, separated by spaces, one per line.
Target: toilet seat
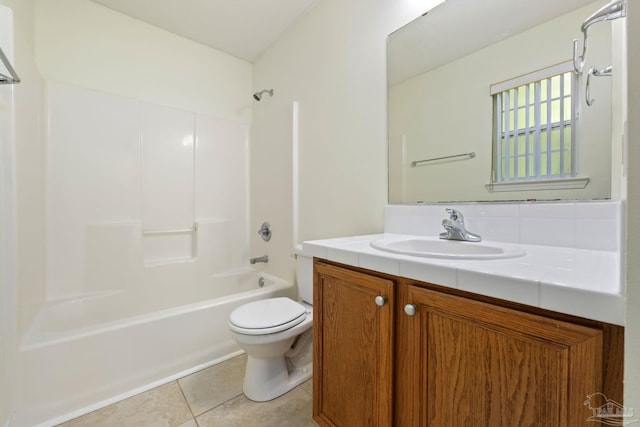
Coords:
pixel 266 316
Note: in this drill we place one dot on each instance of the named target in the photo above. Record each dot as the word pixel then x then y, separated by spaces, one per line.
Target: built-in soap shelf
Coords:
pixel 170 231
pixel 168 246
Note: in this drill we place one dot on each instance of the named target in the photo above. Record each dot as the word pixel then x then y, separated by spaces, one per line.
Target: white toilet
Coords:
pixel 277 337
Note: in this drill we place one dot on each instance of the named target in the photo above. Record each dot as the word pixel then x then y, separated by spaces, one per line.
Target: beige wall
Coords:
pixel 632 335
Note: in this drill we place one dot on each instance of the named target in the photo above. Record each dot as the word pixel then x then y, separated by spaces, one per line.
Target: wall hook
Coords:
pixel 598 73
pixel 615 10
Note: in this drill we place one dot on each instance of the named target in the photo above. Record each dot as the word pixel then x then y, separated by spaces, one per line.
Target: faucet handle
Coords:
pixel 455 215
pixel 265 231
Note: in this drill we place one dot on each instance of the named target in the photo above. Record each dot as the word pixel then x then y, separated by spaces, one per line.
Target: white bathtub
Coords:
pixel 85 352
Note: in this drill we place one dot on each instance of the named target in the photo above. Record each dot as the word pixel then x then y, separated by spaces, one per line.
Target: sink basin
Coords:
pixel 446 249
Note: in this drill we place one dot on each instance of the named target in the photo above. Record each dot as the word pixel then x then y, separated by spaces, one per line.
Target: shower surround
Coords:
pixel 146 251
pixel 117 166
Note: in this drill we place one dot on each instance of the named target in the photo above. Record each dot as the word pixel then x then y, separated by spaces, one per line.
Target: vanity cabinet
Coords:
pixel 433 356
pixel 475 364
pixel 352 348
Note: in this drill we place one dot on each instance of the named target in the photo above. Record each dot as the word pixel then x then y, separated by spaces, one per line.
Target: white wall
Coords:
pixel 76 43
pixel 333 62
pixel 29 175
pixel 89 45
pixel 26 256
pixel 83 44
pixel 632 330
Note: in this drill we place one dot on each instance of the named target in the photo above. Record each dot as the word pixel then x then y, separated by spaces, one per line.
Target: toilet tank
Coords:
pixel 304 277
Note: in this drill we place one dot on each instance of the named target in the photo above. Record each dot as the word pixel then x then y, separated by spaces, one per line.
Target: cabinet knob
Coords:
pixel 380 300
pixel 410 309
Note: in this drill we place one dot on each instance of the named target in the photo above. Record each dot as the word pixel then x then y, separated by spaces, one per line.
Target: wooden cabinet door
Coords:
pixel 476 364
pixel 352 348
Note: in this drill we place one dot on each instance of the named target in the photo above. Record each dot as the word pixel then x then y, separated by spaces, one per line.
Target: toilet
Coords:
pixel 277 337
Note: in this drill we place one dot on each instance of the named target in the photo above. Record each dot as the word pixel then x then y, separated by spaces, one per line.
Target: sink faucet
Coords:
pixel 456 229
pixel 263 258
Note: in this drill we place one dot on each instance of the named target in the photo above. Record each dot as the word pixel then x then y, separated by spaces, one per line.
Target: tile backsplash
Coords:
pixel 594 225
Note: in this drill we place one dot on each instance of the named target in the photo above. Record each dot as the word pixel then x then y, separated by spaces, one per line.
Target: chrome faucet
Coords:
pixel 264 258
pixel 456 229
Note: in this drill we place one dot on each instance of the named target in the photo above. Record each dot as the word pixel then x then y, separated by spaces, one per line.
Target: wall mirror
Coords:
pixel 441 67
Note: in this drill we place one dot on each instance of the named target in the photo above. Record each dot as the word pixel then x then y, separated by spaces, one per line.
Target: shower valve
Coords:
pixel 265 231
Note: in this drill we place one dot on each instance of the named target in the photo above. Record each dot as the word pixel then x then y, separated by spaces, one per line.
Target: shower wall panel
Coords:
pixel 130 192
pixel 93 175
pixel 222 187
pixel 167 168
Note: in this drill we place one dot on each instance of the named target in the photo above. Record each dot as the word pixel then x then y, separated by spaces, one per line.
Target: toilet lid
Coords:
pixel 267 316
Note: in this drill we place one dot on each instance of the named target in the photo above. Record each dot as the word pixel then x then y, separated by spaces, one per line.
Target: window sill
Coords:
pixel 576 183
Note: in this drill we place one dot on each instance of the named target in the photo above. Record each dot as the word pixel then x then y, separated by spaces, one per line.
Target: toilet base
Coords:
pixel 266 379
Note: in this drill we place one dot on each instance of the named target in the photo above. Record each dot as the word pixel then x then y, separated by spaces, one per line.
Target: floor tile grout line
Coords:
pixel 217 406
pixel 184 396
pixel 221 404
pixel 184 388
pixel 193 414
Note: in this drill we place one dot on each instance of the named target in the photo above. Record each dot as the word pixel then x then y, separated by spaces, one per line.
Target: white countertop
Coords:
pixel 580 282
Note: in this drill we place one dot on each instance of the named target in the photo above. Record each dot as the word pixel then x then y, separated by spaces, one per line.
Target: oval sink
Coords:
pixel 447 249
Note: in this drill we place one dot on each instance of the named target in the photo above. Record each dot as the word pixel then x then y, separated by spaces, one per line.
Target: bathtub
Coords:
pixel 122 348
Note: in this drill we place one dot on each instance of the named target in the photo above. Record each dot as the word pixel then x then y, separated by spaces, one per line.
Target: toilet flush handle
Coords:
pixel 381 301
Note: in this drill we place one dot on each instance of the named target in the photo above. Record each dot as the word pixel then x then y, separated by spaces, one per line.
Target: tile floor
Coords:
pixel 208 398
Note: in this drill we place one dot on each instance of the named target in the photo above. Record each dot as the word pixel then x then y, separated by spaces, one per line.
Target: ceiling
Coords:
pixel 242 28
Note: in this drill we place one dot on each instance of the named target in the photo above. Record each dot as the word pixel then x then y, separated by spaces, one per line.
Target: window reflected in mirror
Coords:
pixel 441 71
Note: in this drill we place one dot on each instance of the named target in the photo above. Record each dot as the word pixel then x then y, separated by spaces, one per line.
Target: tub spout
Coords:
pixel 264 258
